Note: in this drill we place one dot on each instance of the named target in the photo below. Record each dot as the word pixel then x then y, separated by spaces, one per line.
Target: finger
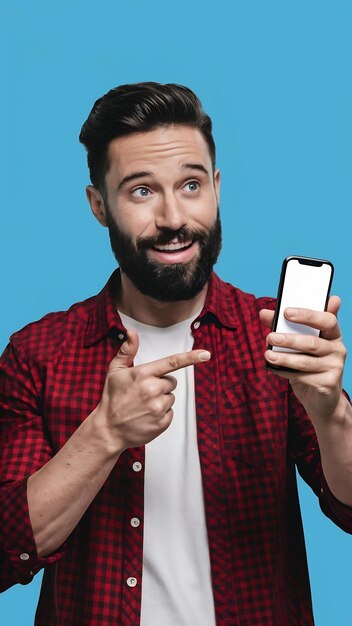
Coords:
pixel 172 363
pixel 170 383
pixel 309 344
pixel 296 377
pixel 171 399
pixel 334 305
pixel 267 316
pixel 325 321
pixel 166 420
pixel 127 352
pixel 164 405
pixel 299 362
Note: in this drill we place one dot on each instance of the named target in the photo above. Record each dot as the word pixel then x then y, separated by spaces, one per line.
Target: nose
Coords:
pixel 170 213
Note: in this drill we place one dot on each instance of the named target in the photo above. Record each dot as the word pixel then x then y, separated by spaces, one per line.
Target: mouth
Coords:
pixel 174 251
pixel 173 247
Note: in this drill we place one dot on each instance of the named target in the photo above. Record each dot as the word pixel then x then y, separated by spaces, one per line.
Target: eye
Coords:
pixel 192 186
pixel 140 192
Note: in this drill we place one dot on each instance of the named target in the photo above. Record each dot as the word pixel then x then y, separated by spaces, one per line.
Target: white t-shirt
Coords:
pixel 176 582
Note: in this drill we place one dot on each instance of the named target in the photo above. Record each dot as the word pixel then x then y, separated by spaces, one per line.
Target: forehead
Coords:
pixel 174 145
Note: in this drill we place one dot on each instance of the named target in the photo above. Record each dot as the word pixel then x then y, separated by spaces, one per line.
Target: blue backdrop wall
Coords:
pixel 275 77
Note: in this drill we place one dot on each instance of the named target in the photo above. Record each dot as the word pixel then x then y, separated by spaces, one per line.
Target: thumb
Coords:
pixel 334 305
pixel 127 352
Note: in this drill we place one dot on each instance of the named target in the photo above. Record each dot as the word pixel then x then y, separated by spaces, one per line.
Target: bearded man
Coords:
pixel 149 454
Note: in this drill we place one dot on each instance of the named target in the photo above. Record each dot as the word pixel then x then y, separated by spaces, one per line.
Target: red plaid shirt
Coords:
pixel 252 433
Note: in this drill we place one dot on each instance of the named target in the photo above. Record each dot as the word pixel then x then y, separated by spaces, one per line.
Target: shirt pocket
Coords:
pixel 253 420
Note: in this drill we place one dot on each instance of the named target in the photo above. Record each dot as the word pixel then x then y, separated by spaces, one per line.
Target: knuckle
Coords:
pixel 151 388
pixel 166 420
pixel 343 351
pixel 173 385
pixel 148 387
pixel 339 351
pixel 174 362
pixel 314 343
pixel 305 362
pixel 172 380
pixel 330 381
pixel 169 412
pixel 172 399
pixel 157 407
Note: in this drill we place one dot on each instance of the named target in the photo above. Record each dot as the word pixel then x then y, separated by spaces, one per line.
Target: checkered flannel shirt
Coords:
pixel 252 434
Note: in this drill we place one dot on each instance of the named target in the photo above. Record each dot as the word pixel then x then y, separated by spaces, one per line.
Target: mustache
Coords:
pixel 168 234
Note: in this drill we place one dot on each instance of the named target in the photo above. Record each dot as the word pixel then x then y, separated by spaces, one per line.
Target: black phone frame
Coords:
pixel 304 260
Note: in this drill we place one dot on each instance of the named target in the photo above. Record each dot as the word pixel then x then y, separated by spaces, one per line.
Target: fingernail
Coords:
pixel 204 356
pixel 291 312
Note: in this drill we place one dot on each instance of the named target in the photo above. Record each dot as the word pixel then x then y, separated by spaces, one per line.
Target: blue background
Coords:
pixel 276 79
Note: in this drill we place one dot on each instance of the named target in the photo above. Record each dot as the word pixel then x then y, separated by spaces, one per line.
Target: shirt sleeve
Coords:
pixel 304 450
pixel 24 449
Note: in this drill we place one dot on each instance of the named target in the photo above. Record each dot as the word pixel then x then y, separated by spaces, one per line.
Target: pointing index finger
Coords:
pixel 174 362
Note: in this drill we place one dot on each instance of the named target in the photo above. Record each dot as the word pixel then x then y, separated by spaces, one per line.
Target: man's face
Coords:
pixel 161 207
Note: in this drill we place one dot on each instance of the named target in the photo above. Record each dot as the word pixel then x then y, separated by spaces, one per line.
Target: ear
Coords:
pixel 97 205
pixel 217 184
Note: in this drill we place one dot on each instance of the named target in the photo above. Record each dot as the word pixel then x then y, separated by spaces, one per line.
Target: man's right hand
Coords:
pixel 136 404
pixel 136 407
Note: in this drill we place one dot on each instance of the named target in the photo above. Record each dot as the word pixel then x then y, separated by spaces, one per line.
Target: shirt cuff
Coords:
pixel 17 540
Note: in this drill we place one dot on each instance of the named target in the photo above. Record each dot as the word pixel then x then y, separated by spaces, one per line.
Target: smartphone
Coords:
pixel 304 283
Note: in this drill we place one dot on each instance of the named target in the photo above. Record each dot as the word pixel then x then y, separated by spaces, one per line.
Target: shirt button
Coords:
pixel 24 556
pixel 131 581
pixel 137 466
pixel 196 325
pixel 121 336
pixel 135 522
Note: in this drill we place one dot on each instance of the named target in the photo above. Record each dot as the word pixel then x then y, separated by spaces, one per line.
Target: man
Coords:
pixel 148 454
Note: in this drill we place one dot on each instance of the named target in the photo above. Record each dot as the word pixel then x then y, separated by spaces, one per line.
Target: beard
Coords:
pixel 161 281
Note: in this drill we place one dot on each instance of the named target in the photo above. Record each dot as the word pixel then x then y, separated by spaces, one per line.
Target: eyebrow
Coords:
pixel 195 166
pixel 135 175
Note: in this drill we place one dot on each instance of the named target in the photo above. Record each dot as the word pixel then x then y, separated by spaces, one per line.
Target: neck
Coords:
pixel 145 309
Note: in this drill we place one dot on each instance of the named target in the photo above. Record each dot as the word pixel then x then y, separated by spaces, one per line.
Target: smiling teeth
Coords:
pixel 173 247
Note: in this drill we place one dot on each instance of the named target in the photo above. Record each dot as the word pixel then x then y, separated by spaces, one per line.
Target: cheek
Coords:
pixel 205 211
pixel 141 225
pixel 131 219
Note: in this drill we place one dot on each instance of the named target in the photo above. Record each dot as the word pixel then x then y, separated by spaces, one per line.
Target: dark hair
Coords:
pixel 134 108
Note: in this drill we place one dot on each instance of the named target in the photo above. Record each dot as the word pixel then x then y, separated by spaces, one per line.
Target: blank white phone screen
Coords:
pixel 305 286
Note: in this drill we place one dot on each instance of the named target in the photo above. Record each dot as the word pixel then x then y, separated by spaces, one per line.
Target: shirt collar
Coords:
pixel 103 315
pixel 220 302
